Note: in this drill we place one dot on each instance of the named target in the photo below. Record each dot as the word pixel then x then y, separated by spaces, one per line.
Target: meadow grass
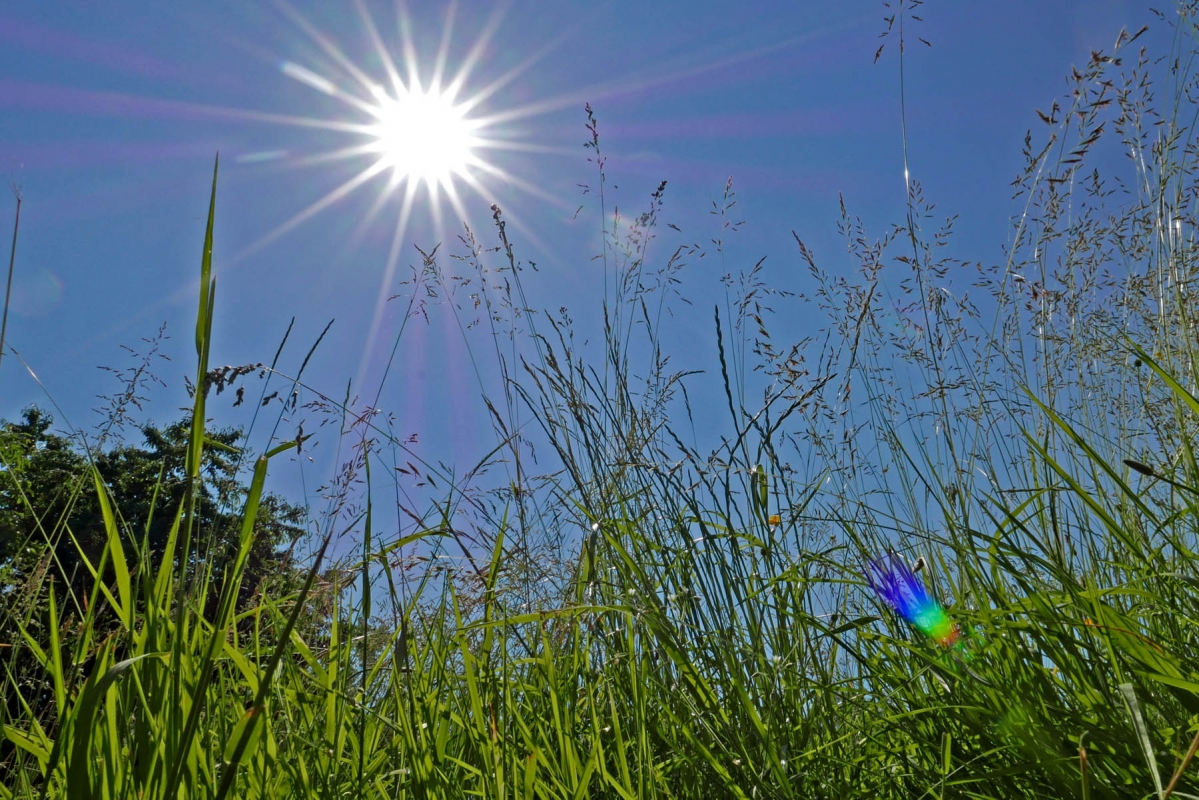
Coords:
pixel 712 631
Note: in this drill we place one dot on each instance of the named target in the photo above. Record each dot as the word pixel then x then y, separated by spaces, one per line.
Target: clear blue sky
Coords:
pixel 110 115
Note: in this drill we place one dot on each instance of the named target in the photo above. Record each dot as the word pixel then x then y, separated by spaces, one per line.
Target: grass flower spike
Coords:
pixel 896 584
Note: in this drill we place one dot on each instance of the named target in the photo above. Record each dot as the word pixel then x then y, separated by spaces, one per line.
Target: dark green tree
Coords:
pixel 52 528
pixel 50 518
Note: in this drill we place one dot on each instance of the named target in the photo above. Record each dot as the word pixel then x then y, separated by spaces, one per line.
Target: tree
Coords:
pixel 52 528
pixel 50 517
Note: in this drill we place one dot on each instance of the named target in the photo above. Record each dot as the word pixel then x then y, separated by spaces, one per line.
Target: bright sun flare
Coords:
pixel 412 139
pixel 423 136
pixel 418 139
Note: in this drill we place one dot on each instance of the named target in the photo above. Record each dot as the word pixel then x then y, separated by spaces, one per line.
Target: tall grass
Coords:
pixel 665 614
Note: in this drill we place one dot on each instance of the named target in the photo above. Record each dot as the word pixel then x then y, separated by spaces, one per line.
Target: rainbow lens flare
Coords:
pixel 896 584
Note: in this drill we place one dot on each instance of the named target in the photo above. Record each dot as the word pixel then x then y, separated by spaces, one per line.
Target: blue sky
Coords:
pixel 110 116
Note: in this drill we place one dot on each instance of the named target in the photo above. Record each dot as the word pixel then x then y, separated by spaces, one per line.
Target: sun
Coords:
pixel 417 132
pixel 423 136
pixel 418 136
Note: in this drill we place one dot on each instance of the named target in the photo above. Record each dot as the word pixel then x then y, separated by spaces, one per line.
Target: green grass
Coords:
pixel 711 633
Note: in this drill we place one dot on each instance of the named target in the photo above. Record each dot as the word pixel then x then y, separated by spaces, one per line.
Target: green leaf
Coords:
pixel 37 746
pixel 1138 722
pixel 79 777
pixel 116 551
pixel 245 737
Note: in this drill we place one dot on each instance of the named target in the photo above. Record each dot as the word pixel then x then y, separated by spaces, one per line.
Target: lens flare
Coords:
pixel 899 587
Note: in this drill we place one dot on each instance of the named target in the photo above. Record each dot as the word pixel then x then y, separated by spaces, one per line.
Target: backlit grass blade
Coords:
pixel 116 553
pixel 184 742
pixel 1142 732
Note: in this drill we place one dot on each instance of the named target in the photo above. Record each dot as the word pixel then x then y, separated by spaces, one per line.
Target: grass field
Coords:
pixel 1023 436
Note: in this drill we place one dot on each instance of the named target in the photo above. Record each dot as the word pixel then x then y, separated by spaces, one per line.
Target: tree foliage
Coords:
pixel 51 521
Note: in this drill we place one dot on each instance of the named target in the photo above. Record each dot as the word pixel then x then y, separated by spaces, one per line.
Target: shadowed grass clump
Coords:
pixel 658 606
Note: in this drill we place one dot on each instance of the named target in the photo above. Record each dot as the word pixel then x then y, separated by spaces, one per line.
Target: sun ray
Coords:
pixel 393 253
pixel 515 72
pixel 435 206
pixel 404 22
pixel 416 132
pixel 443 50
pixel 476 51
pixel 393 258
pixel 372 31
pixel 516 220
pixel 632 83
pixel 477 187
pixel 327 45
pixel 526 147
pixel 147 107
pixel 529 188
pixel 376 207
pixel 451 193
pixel 316 123
pixel 310 78
pixel 421 138
pixel 312 210
pixel 340 154
pixel 324 85
pixel 334 74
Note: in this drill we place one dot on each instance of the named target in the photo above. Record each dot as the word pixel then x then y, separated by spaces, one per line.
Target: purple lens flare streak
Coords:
pixel 899 587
